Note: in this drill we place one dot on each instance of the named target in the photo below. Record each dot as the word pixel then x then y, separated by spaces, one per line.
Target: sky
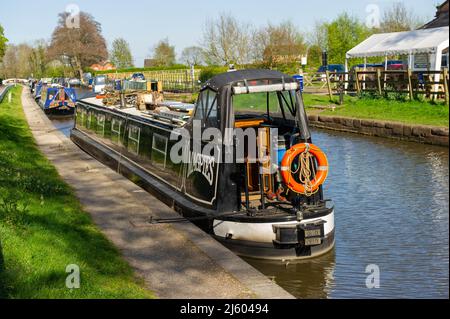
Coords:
pixel 144 22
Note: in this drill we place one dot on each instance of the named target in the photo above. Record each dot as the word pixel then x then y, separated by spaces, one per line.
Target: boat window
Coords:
pixel 159 150
pixel 101 118
pixel 100 80
pixel 134 136
pixel 273 104
pixel 90 115
pixel 206 109
pixel 116 128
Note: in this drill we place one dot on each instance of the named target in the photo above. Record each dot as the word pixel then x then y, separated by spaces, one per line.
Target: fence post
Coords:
pixel 358 89
pixel 411 96
pixel 330 93
pixel 446 85
pixel 379 81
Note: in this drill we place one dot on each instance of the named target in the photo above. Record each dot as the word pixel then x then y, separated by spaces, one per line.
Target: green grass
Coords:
pixel 411 112
pixel 43 227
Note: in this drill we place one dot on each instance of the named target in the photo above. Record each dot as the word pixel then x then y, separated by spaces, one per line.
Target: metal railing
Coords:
pixel 4 91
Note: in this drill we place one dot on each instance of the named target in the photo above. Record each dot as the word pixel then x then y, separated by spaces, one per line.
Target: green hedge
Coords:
pixel 162 68
pixel 211 71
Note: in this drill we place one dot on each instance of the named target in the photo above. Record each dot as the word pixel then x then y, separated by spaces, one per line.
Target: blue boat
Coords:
pixel 57 99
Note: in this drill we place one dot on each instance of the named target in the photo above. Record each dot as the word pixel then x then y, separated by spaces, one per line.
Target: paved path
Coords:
pixel 176 261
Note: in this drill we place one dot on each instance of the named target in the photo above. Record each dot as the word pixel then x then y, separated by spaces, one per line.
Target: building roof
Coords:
pixel 441 19
pixel 396 43
pixel 224 79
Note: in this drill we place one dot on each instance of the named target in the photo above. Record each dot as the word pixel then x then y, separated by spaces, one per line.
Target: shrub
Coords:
pixel 209 72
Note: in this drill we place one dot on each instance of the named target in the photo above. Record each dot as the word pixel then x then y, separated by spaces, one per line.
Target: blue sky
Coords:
pixel 143 23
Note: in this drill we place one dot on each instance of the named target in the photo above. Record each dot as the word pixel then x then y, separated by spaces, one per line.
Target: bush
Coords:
pixel 369 95
pixel 161 68
pixel 396 96
pixel 209 72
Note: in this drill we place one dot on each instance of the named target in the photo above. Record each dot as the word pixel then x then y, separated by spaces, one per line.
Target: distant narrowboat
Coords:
pixel 55 98
pixel 264 203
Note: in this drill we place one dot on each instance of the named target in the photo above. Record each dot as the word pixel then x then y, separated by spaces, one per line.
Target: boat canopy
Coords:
pixel 233 77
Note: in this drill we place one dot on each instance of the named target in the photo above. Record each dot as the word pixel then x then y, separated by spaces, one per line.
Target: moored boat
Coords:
pixel 242 166
pixel 55 98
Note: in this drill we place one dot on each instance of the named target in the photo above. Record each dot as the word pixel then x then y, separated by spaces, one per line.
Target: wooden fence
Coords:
pixel 430 84
pixel 172 80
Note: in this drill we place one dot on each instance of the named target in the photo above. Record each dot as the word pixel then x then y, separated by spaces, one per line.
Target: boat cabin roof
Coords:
pixel 219 81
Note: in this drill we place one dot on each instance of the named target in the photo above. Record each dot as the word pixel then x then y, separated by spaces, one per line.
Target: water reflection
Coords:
pixel 391 200
pixel 307 279
pixel 63 123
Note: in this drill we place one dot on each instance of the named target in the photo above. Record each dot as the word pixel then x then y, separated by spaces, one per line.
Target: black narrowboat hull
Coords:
pixel 210 191
pixel 185 207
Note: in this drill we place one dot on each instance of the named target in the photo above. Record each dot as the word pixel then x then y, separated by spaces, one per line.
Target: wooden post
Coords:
pixel 379 81
pixel 446 85
pixel 411 96
pixel 358 88
pixel 330 93
pixel 160 88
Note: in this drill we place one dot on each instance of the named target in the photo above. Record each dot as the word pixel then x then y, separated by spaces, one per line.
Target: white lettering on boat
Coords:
pixel 203 164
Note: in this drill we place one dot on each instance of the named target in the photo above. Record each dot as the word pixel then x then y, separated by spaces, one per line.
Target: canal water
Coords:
pixel 65 123
pixel 392 214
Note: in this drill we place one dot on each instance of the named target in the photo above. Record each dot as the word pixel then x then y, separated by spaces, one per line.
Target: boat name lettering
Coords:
pixel 203 164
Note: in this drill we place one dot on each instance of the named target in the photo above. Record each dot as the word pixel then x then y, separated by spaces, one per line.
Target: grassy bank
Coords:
pixel 43 228
pixel 411 112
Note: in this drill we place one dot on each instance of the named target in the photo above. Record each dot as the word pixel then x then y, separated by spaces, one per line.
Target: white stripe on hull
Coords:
pixel 262 232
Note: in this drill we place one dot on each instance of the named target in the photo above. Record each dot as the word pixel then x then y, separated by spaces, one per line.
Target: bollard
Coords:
pixel 9 97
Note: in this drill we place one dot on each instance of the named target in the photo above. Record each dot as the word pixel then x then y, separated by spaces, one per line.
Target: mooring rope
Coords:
pixel 305 171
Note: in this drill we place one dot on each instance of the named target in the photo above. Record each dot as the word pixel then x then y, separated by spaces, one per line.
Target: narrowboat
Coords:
pixel 241 165
pixel 55 99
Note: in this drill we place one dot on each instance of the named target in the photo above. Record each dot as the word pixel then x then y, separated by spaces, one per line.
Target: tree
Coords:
pixel 398 18
pixel 10 62
pixel 3 41
pixel 38 59
pixel 279 44
pixel 120 54
pixel 193 55
pixel 344 33
pixel 226 41
pixel 16 61
pixel 78 47
pixel 164 53
pixel 318 37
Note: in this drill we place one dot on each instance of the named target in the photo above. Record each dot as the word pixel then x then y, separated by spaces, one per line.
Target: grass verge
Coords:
pixel 411 112
pixel 43 228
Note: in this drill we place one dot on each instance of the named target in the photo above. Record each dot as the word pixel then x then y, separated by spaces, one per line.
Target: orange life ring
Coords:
pixel 322 167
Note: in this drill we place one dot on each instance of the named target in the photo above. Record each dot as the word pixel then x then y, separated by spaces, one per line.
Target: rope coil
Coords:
pixel 309 181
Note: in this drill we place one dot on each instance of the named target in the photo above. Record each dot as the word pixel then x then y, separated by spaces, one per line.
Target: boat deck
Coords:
pixel 175 118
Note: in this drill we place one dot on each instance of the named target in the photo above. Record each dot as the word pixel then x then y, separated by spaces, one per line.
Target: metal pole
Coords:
pixel 385 69
pixel 364 76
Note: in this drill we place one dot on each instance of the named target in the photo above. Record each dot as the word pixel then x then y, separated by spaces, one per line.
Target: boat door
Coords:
pixel 204 151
